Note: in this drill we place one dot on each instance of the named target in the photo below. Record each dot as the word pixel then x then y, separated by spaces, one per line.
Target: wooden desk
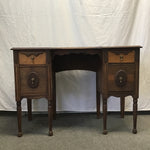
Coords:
pixel 117 74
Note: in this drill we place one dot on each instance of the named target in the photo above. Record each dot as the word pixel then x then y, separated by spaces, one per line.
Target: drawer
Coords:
pixel 33 80
pixel 32 58
pixel 121 77
pixel 121 57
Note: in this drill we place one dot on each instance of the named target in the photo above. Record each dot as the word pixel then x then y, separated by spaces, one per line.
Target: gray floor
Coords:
pixel 74 132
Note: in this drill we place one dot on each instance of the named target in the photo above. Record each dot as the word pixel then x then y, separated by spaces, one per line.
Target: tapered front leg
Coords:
pixel 19 117
pixel 29 103
pixel 134 115
pixel 98 94
pixel 98 104
pixel 122 104
pixel 104 115
pixel 50 116
pixel 54 95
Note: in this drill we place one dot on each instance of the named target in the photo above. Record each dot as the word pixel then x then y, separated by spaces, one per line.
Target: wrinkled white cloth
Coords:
pixel 33 23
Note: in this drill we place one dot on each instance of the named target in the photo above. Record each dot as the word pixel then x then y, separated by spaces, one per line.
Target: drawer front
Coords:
pixel 121 77
pixel 121 57
pixel 33 81
pixel 32 58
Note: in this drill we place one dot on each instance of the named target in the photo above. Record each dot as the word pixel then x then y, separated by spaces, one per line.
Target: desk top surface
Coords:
pixel 76 48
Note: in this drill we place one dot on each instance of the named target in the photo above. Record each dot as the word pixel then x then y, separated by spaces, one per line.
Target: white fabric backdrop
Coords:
pixel 73 23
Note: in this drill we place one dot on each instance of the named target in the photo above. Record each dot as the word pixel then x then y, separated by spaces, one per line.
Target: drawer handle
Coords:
pixel 121 78
pixel 32 58
pixel 33 80
pixel 121 57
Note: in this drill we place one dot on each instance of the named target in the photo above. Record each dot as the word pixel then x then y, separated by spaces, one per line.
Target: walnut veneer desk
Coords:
pixel 117 74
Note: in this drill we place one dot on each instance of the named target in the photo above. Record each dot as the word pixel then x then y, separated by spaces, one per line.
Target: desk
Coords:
pixel 117 74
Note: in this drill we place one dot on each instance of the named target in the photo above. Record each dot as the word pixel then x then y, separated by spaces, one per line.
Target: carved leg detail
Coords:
pixel 98 104
pixel 50 116
pixel 29 103
pixel 122 105
pixel 19 115
pixel 134 115
pixel 105 116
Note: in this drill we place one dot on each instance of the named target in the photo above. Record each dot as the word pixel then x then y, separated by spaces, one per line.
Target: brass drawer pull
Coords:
pixel 33 80
pixel 32 58
pixel 121 57
pixel 121 78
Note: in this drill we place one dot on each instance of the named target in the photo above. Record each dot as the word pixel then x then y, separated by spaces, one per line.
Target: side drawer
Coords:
pixel 32 57
pixel 121 77
pixel 34 80
pixel 121 57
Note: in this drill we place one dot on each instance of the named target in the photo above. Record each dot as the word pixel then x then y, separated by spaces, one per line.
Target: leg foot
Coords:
pixel 50 133
pixel 105 132
pixel 19 134
pixel 134 131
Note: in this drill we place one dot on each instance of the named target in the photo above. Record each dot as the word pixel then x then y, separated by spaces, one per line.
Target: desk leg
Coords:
pixel 19 115
pixel 54 95
pixel 50 116
pixel 122 104
pixel 134 115
pixel 98 104
pixel 29 103
pixel 104 115
pixel 97 95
